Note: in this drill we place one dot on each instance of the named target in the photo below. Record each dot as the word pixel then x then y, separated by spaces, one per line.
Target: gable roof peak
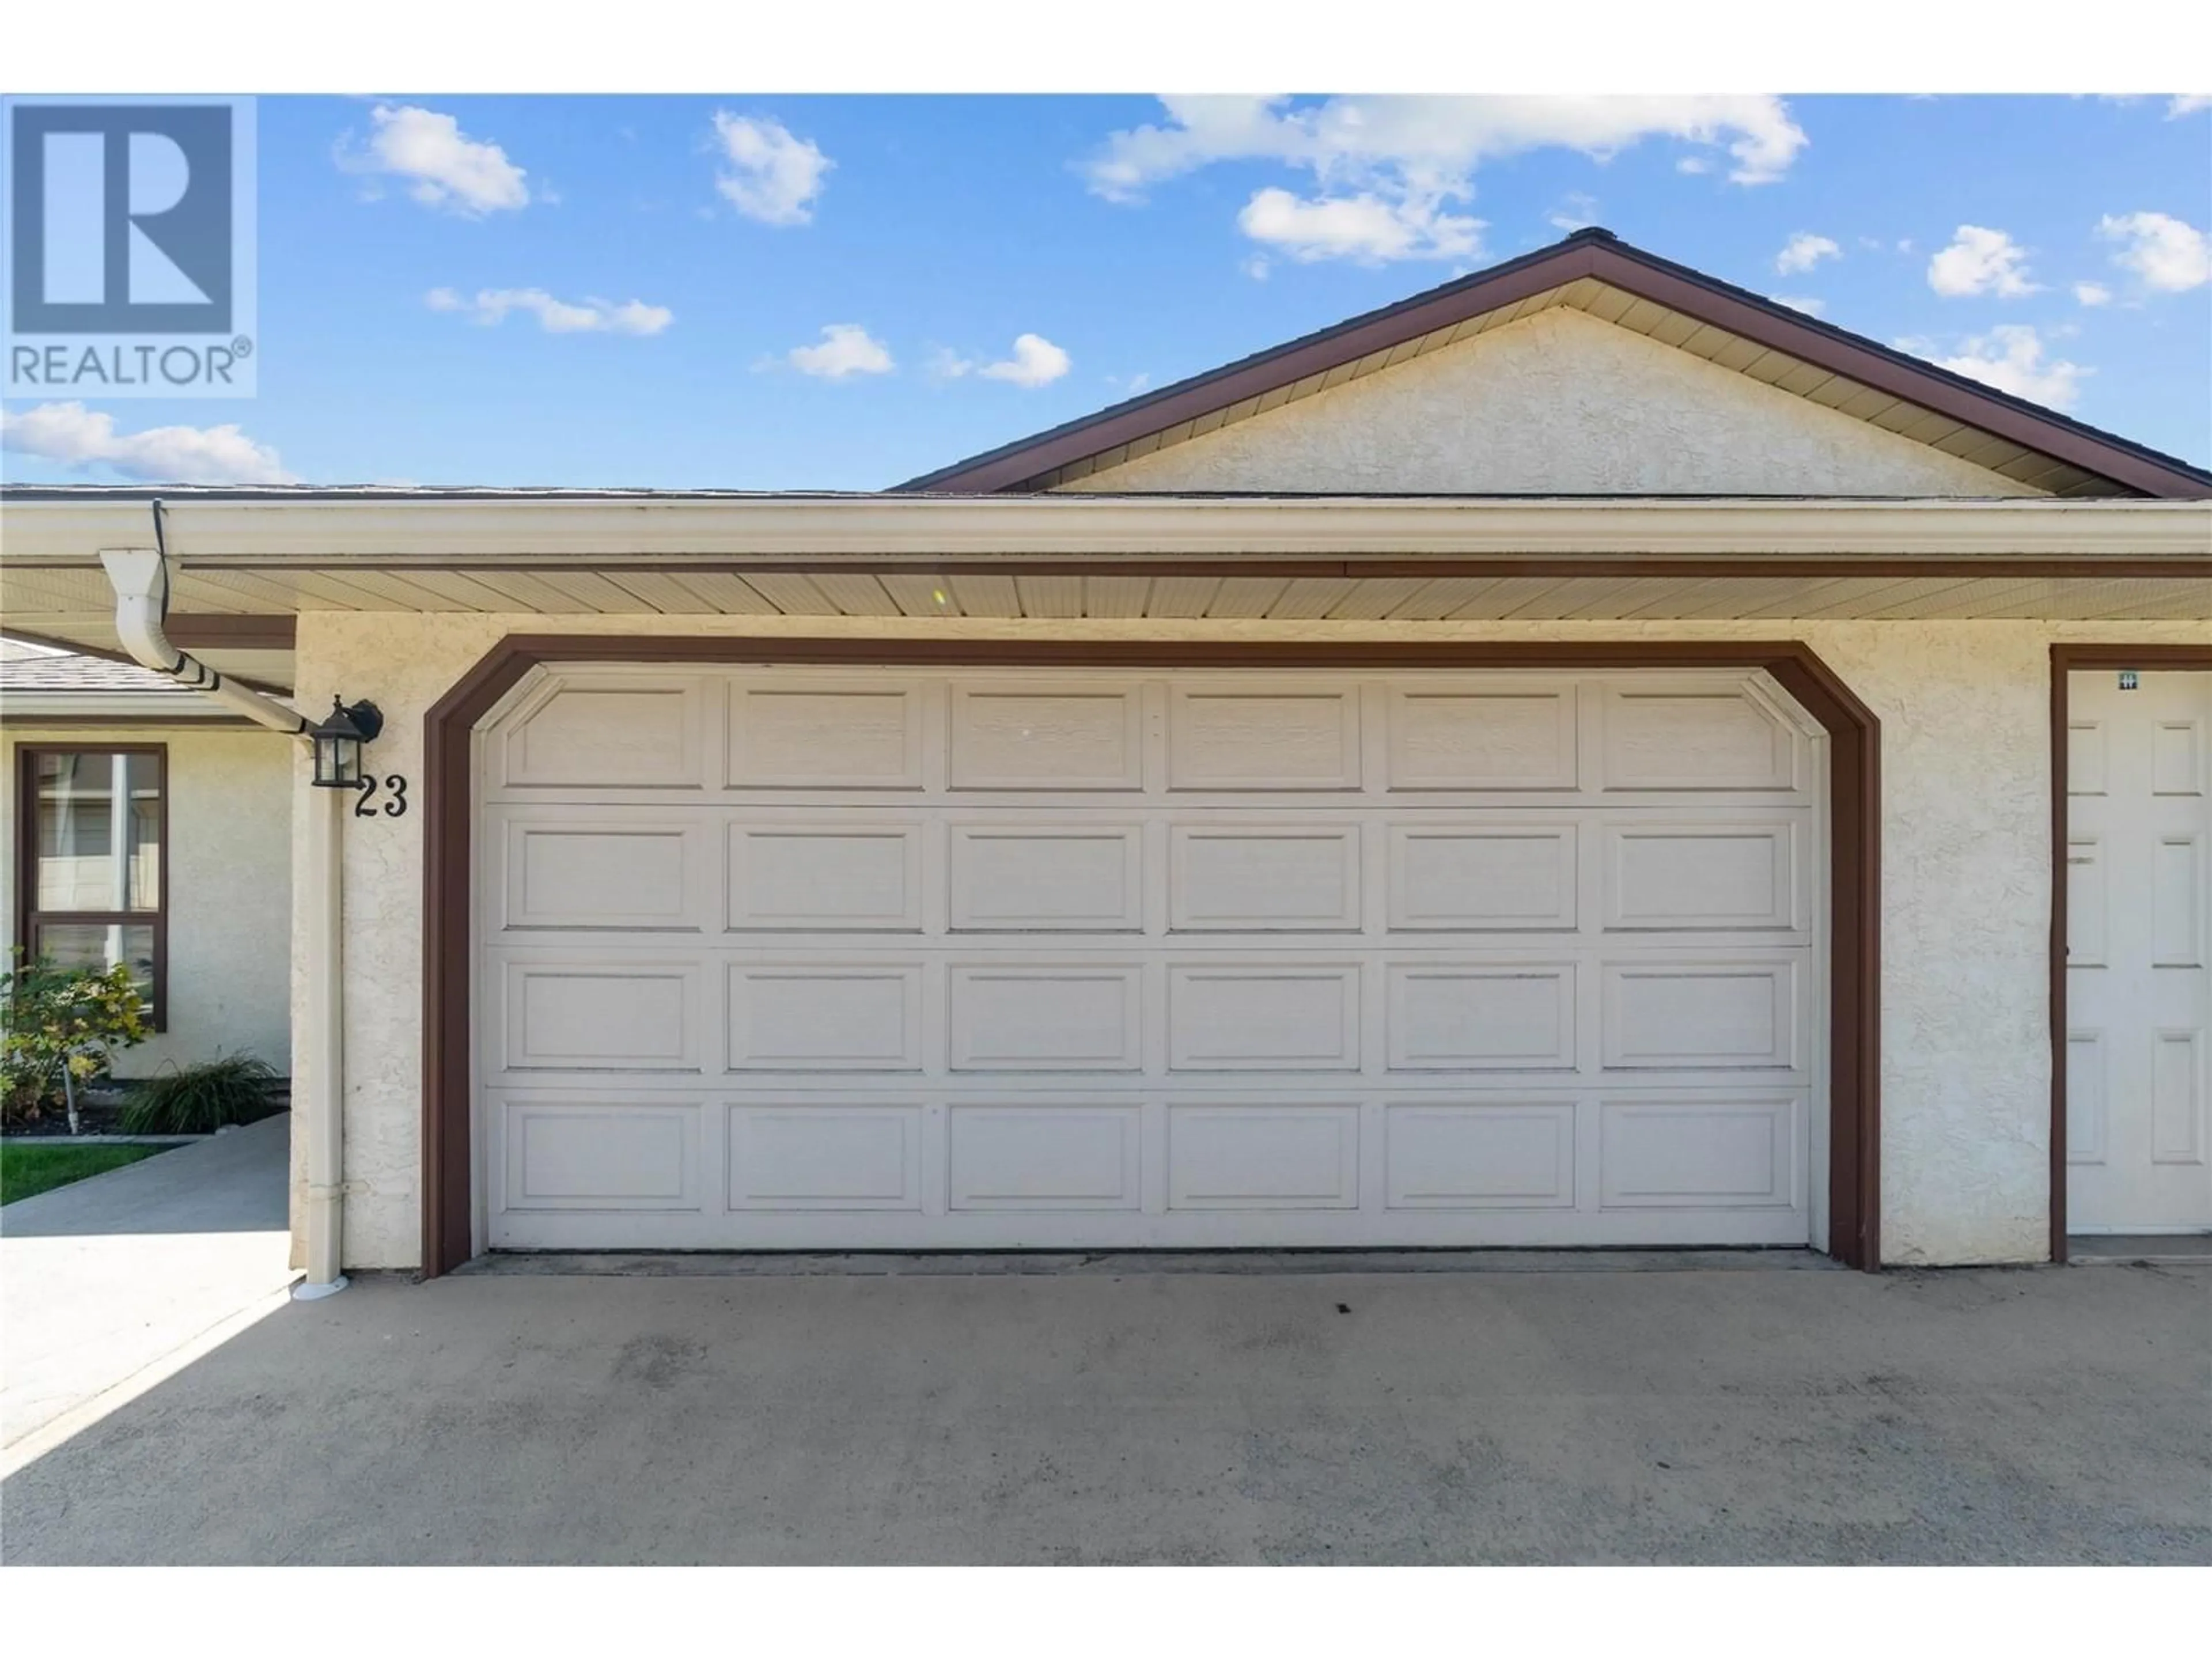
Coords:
pixel 2105 460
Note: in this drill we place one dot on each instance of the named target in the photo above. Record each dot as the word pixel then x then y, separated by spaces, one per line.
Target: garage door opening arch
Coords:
pixel 449 1020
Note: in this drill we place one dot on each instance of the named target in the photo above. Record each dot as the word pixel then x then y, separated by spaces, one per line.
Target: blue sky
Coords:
pixel 653 269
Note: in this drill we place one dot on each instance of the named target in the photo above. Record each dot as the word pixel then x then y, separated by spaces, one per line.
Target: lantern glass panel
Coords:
pixel 337 762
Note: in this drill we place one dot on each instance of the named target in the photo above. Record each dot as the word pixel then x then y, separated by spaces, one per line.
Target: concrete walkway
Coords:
pixel 2035 1415
pixel 103 1277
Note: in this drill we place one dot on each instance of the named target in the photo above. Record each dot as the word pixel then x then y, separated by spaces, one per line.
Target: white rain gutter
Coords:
pixel 396 530
pixel 140 577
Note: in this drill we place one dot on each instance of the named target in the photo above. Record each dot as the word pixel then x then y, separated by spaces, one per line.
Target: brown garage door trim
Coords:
pixel 2064 660
pixel 1855 799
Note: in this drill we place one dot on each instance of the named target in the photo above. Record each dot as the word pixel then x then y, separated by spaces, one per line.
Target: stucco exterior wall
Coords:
pixel 230 887
pixel 1965 882
pixel 1556 403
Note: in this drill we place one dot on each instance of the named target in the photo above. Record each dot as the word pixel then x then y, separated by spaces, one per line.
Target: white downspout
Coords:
pixel 326 1047
pixel 140 577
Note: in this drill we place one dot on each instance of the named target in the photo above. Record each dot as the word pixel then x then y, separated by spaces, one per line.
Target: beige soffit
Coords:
pixel 247 560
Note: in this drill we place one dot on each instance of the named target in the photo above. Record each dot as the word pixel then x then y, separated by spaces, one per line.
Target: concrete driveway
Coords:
pixel 1742 1414
pixel 101 1280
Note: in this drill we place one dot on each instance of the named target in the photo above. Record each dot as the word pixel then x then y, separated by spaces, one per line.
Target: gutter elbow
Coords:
pixel 140 577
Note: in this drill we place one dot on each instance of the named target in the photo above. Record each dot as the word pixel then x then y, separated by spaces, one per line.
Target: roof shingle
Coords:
pixel 50 671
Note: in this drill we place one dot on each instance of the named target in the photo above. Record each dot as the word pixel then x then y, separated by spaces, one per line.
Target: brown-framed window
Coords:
pixel 92 876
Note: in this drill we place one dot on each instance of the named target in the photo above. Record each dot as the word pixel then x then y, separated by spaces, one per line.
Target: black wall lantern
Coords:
pixel 338 741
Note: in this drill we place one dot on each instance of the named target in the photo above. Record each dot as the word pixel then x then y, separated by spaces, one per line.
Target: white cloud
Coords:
pixel 1981 261
pixel 1366 228
pixel 2188 104
pixel 1256 267
pixel 1804 250
pixel 1036 361
pixel 1693 165
pixel 1803 303
pixel 1385 168
pixel 1432 139
pixel 75 436
pixel 1578 212
pixel 2010 358
pixel 2168 253
pixel 2092 294
pixel 772 176
pixel 448 169
pixel 490 305
pixel 845 349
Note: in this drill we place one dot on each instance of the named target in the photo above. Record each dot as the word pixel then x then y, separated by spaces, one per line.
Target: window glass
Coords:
pixel 91 863
pixel 94 855
pixel 98 946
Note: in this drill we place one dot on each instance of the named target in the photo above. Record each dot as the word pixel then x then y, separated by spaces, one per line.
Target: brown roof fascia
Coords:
pixel 211 631
pixel 1598 254
pixel 1899 375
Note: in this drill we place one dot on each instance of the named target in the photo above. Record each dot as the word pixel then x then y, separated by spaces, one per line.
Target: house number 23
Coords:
pixel 395 790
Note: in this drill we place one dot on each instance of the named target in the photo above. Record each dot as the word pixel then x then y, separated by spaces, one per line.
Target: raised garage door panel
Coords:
pixel 803 958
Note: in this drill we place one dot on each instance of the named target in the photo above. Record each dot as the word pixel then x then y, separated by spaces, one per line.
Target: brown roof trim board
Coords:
pixel 1593 253
pixel 205 630
pixel 1855 837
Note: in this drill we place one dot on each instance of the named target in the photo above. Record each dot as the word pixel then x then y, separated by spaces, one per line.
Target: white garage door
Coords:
pixel 785 958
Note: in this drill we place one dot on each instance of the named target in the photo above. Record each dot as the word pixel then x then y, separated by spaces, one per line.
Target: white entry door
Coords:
pixel 794 958
pixel 2139 922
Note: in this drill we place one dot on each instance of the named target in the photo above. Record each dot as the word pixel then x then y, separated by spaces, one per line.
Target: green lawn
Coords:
pixel 29 1167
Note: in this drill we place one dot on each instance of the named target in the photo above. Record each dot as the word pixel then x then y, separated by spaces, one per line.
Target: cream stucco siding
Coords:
pixel 1556 403
pixel 229 880
pixel 1965 881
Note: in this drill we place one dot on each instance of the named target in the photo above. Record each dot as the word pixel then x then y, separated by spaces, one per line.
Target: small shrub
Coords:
pixel 197 1100
pixel 58 1029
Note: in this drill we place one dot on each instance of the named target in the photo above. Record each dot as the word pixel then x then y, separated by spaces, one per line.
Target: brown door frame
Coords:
pixel 2064 661
pixel 1855 842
